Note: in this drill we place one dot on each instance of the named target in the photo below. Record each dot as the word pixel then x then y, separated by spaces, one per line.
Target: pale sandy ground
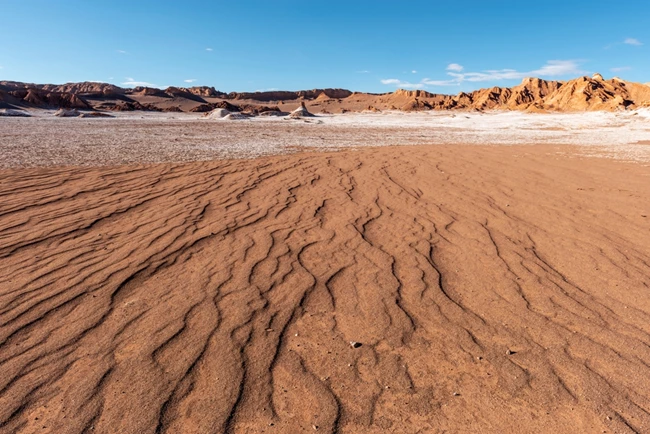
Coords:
pixel 161 137
pixel 492 289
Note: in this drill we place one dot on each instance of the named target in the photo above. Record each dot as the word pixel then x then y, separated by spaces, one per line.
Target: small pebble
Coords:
pixel 354 344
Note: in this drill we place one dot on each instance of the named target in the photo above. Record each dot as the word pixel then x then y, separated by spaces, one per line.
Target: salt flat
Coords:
pixel 155 137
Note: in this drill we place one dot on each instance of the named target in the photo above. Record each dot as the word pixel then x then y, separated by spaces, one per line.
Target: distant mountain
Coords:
pixel 533 94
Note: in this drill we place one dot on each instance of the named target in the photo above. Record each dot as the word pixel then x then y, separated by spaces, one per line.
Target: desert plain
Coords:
pixel 356 273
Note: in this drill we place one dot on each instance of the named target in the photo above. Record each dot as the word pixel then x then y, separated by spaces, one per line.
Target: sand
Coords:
pixel 487 288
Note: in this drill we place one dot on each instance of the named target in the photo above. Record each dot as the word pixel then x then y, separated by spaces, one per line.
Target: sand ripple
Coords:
pixel 492 289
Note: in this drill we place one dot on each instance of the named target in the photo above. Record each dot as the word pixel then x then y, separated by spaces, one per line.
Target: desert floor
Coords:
pixel 479 287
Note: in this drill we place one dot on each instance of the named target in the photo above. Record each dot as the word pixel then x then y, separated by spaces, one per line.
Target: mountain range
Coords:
pixel 532 94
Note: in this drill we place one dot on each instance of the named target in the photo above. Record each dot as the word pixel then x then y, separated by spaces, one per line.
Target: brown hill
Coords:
pixel 406 100
pixel 148 91
pixel 639 93
pixel 487 99
pixel 183 93
pixel 530 91
pixel 587 94
pixel 43 98
pixel 289 95
pixel 8 101
pixel 205 91
pixel 532 94
pixel 86 88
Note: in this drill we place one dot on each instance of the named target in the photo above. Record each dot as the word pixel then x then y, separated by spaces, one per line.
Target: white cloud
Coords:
pixel 552 68
pixel 621 68
pixel 633 41
pixel 429 82
pixel 407 85
pixel 130 81
pixel 121 51
pixel 558 67
pixel 190 80
pixel 402 84
pixel 363 72
pixel 628 41
pixel 414 72
pixel 209 49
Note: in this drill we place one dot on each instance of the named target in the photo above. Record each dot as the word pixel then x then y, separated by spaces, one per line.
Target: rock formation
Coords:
pixel 532 94
pixel 65 113
pixel 13 113
pixel 301 112
pixel 217 114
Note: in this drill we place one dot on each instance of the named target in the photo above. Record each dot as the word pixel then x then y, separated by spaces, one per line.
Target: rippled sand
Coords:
pixel 488 288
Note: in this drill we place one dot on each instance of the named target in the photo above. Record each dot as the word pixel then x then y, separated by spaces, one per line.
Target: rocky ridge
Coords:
pixel 532 94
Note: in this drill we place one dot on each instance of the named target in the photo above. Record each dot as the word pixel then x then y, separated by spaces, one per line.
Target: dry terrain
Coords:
pixel 141 137
pixel 580 94
pixel 429 288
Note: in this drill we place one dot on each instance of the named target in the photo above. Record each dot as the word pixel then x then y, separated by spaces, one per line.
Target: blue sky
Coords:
pixel 371 46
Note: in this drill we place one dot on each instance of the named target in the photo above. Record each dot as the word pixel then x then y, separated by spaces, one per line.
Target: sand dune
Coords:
pixel 491 289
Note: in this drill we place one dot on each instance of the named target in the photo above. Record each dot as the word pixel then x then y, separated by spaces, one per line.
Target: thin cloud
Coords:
pixel 621 68
pixel 402 84
pixel 455 67
pixel 552 68
pixel 209 49
pixel 190 80
pixel 414 72
pixel 130 81
pixel 628 41
pixel 429 82
pixel 121 51
pixel 558 67
pixel 633 41
pixel 363 72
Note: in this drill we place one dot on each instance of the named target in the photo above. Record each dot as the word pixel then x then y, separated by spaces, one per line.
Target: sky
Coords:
pixel 369 46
